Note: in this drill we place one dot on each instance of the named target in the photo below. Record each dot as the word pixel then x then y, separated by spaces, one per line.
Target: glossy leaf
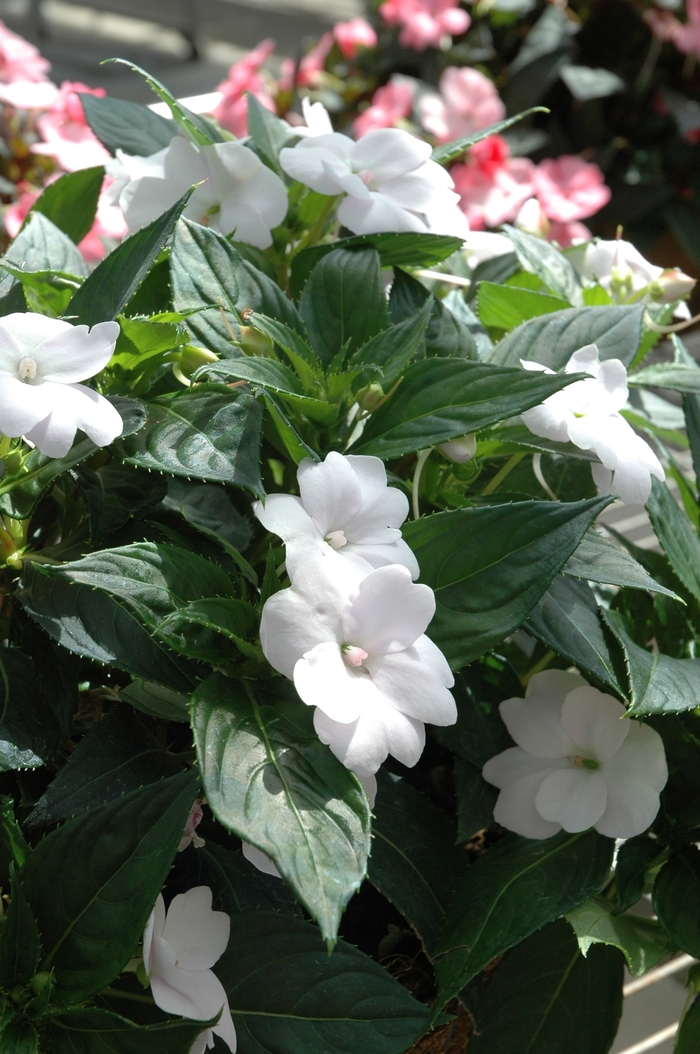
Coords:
pixel 156 700
pixel 490 566
pixel 447 334
pixel 71 201
pixel 440 399
pixel 642 941
pixel 93 882
pixel 209 433
pixel 270 780
pixel 677 536
pixel 195 127
pixel 395 347
pixel 267 132
pixel 28 729
pixel 275 377
pixel 551 266
pixel 42 246
pixel 659 684
pixel 93 1031
pixel 599 559
pixel 450 151
pixel 688 1038
pixel 127 126
pixel 636 858
pixel 512 890
pixel 505 307
pixel 476 799
pixel 676 898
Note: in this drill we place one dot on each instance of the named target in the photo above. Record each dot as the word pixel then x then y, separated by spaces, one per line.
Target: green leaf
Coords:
pixel 440 399
pixel 414 863
pixel 270 780
pixel 462 311
pixel 275 377
pixel 395 347
pixel 677 536
pixel 552 339
pixel 659 684
pixel 46 292
pixel 688 1038
pixel 672 375
pixel 13 847
pixel 343 303
pixel 490 566
pixel 642 941
pixel 92 1031
pixel 71 202
pixel 636 858
pixel 267 132
pixel 195 127
pixel 447 333
pixel 336 1004
pixel 505 307
pixel 110 287
pixel 41 246
pixel 156 700
pixel 139 342
pixel 208 433
pixel 566 620
pixel 479 732
pixel 676 897
pixel 28 729
pixel 546 998
pixel 92 883
pixel 599 559
pixel 450 151
pixel 127 126
pixel 516 887
pixel 299 352
pixel 116 756
pixel 239 885
pixel 551 266
pixel 205 630
pixel 209 506
pixel 20 943
pixel 19 1037
pixel 476 800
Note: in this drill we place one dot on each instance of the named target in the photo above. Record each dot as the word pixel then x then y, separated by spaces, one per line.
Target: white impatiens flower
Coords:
pixel 179 949
pixel 356 650
pixel 577 763
pixel 586 414
pixel 41 361
pixel 627 276
pixel 387 177
pixel 344 505
pixel 237 193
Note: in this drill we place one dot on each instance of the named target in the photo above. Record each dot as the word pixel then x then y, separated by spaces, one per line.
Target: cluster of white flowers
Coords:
pixel 577 764
pixel 587 414
pixel 180 947
pixel 41 361
pixel 628 277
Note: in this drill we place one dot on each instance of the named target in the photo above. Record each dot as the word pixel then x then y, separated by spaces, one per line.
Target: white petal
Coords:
pixel 144 199
pixel 319 162
pixel 390 152
pixel 602 477
pixel 225 1028
pixel 245 223
pixel 376 555
pixel 416 682
pixel 76 354
pixel 634 777
pixel 377 213
pixel 535 725
pixel 553 684
pixel 184 164
pixel 197 935
pixel 330 492
pixel 575 797
pixel 284 515
pixel 364 744
pixel 550 419
pixel 519 777
pixel 260 860
pixel 382 507
pixel 154 926
pixel 389 613
pixel 74 406
pixel 324 680
pixel 593 721
pixel 22 332
pixel 22 406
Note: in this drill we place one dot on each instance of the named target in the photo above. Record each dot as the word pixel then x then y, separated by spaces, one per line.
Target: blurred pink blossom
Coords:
pixel 663 24
pixel 425 22
pixel 353 35
pixel 468 101
pixel 243 77
pixel 492 185
pixel 570 188
pixel 29 95
pixel 390 104
pixel 17 210
pixel 310 66
pixel 568 234
pixel 20 60
pixel 686 35
pixel 67 136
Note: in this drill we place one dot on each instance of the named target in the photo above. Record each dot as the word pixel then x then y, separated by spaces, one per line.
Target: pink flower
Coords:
pixel 17 210
pixel 309 67
pixel 390 104
pixel 686 35
pixel 468 101
pixel 663 24
pixel 243 77
pixel 492 185
pixel 20 60
pixel 568 234
pixel 353 35
pixel 569 188
pixel 193 821
pixel 425 22
pixel 67 136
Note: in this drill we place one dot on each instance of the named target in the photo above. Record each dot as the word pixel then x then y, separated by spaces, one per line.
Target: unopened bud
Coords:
pixel 192 357
pixel 40 980
pixel 459 450
pixel 370 397
pixel 12 462
pixel 253 342
pixel 671 285
pixel 621 281
pixel 532 219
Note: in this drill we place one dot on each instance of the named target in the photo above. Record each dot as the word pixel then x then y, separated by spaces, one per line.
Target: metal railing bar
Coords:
pixel 681 963
pixel 653 1041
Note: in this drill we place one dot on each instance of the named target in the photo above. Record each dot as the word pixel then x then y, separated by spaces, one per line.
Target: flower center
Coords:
pixel 27 369
pixel 585 763
pixel 336 539
pixel 352 655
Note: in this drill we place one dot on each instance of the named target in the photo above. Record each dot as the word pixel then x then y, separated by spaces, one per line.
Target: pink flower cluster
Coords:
pixel 425 22
pixel 349 37
pixel 468 101
pixel 20 60
pixel 390 104
pixel 67 136
pixel 666 27
pixel 244 77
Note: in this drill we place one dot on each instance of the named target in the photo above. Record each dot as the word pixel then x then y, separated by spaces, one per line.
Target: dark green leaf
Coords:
pixel 447 334
pixel 157 701
pixel 41 246
pixel 688 1038
pixel 195 127
pixel 490 566
pixel 209 434
pixel 93 882
pixel 642 941
pixel 127 126
pixel 71 202
pixel 93 1031
pixel 462 311
pixel 476 800
pixel 292 442
pixel 20 1038
pixel 440 399
pixel 46 292
pixel 511 891
pixel 677 536
pixel 552 339
pixel 498 269
pixel 206 505
pixel 343 303
pixel 336 1004
pixel 479 732
pixel 599 559
pixel 116 756
pixel 505 306
pixel 270 780
pixel 677 896
pixel 13 847
pixel 213 630
pixel 635 859
pixel 414 863
pixel 449 151
pixel 551 266
pixel 238 884
pixel 672 375
pixel 114 281
pixel 395 347
pixel 275 377
pixel 20 944
pixel 28 729
pixel 546 998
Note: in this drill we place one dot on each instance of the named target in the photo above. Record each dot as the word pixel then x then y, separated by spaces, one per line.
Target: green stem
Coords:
pixel 312 236
pixel 537 668
pixel 505 471
pixel 415 496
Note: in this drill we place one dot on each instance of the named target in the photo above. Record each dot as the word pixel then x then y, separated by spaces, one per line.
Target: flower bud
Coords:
pixel 40 980
pixel 532 219
pixel 253 342
pixel 459 450
pixel 621 282
pixel 12 462
pixel 192 357
pixel 370 397
pixel 671 285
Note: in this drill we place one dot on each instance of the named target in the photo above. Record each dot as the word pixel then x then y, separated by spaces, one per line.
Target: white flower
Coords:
pixel 318 121
pixel 577 764
pixel 179 949
pixel 189 835
pixel 356 650
pixel 586 413
pixel 237 193
pixel 626 275
pixel 532 219
pixel 480 246
pixel 388 178
pixel 344 505
pixel 41 359
pixel 459 450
